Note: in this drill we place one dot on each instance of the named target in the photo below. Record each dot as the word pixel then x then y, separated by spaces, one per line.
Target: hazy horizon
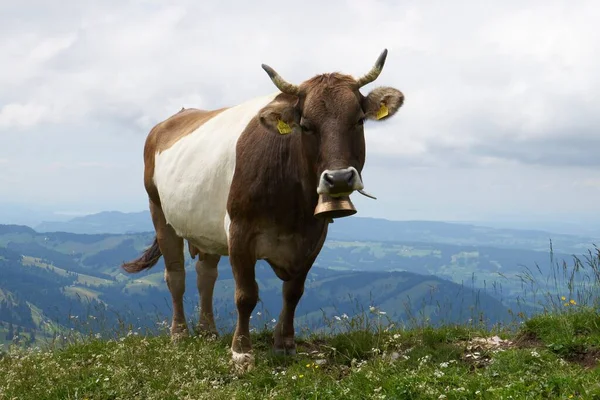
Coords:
pixel 32 217
pixel 500 121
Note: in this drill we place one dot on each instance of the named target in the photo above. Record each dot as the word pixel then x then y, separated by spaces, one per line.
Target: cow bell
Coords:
pixel 334 207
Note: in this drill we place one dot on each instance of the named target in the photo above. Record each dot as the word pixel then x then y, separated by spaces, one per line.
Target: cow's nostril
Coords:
pixel 350 177
pixel 339 181
pixel 329 179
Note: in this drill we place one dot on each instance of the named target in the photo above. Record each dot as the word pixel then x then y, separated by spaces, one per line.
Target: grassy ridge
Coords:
pixel 549 356
pixel 553 353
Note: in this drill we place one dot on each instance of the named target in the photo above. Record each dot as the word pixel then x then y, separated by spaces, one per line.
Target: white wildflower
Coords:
pixel 423 360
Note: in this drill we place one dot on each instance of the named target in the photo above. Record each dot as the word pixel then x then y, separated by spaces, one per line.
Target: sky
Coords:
pixel 500 120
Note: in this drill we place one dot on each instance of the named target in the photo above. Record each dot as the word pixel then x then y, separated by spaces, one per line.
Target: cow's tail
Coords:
pixel 147 260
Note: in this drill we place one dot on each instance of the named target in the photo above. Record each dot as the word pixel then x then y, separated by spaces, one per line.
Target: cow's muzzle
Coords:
pixel 339 182
pixel 335 187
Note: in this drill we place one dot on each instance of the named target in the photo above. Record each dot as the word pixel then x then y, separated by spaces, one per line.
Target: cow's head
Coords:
pixel 328 112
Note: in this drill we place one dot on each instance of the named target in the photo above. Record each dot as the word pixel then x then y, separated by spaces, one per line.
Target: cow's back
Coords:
pixel 192 156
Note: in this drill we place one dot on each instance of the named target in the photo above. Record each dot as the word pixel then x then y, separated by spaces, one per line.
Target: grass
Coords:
pixel 574 335
pixel 360 362
pixel 553 353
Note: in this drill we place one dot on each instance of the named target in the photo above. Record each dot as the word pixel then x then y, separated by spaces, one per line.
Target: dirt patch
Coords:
pixel 588 359
pixel 312 346
pixel 527 340
pixel 479 351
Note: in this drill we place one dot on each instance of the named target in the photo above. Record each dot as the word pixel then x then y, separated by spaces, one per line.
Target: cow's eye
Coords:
pixel 305 126
pixel 360 122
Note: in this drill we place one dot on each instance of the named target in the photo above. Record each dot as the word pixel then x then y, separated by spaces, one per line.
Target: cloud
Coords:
pixel 564 150
pixel 489 86
pixel 588 182
pixel 22 115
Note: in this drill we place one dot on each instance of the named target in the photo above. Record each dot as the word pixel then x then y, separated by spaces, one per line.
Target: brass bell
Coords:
pixel 334 207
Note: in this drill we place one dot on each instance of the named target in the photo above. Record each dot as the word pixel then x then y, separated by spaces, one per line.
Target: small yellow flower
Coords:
pixel 563 298
pixel 307 365
pixel 573 302
pixel 566 304
pixel 300 376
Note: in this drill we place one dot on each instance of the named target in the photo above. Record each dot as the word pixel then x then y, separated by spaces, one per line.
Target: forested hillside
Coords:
pixel 360 229
pixel 52 280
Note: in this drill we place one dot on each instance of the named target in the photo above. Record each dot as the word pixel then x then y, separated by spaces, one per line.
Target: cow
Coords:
pixel 244 181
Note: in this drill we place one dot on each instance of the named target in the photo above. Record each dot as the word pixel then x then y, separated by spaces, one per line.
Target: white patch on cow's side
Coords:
pixel 226 224
pixel 193 177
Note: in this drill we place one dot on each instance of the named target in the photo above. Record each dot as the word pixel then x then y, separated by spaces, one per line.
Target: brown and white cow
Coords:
pixel 244 181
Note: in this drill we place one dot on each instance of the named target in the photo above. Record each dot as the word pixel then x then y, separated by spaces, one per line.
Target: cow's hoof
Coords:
pixel 242 362
pixel 285 351
pixel 207 333
pixel 207 329
pixel 177 335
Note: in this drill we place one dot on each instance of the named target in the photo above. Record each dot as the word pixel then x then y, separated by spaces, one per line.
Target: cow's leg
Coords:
pixel 171 247
pixel 284 330
pixel 206 276
pixel 293 290
pixel 246 297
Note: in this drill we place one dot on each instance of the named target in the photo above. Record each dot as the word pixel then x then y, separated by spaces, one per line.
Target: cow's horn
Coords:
pixel 281 83
pixel 374 72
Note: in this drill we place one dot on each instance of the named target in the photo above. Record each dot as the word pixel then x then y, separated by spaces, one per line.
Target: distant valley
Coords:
pixel 51 281
pixel 358 229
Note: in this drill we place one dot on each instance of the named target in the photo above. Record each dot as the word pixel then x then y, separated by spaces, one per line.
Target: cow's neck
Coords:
pixel 274 182
pixel 296 182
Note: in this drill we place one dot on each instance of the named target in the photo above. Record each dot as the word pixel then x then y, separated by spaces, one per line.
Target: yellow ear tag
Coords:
pixel 283 128
pixel 383 111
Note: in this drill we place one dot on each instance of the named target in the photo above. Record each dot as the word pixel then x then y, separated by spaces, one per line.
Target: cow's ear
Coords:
pixel 382 103
pixel 280 118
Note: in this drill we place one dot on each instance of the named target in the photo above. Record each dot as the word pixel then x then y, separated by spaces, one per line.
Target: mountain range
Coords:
pixel 359 229
pixel 60 274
